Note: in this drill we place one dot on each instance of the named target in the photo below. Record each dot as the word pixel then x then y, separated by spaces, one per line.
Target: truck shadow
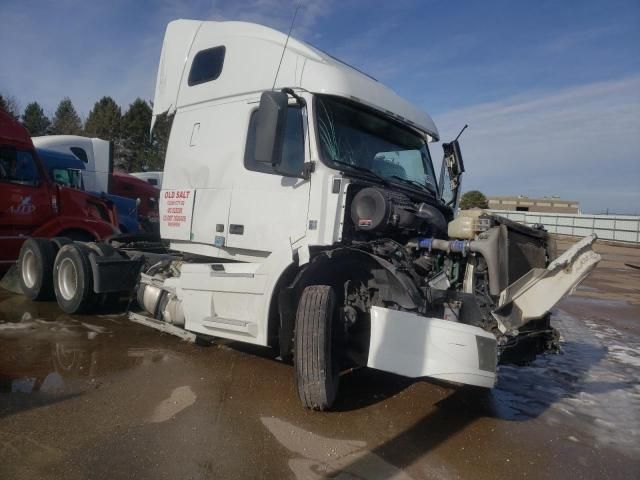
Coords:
pixel 358 389
pixel 366 387
pixel 522 394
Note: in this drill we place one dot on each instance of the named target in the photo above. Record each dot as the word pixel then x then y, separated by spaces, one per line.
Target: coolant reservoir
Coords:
pixel 468 224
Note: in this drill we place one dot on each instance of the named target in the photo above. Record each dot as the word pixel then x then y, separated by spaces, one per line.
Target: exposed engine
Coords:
pixel 458 268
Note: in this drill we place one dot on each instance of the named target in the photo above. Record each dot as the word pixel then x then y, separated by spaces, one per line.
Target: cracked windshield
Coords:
pixel 362 140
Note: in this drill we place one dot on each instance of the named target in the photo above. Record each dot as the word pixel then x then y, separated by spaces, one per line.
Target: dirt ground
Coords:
pixel 100 397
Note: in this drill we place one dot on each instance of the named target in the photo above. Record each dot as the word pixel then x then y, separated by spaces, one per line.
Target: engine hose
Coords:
pixel 486 246
pixel 458 246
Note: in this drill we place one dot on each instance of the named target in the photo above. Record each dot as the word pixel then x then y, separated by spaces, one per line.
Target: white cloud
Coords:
pixel 581 142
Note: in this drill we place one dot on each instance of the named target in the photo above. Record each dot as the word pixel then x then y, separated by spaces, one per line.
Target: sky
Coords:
pixel 550 89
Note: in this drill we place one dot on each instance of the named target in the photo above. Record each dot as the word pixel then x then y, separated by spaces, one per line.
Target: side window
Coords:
pixel 18 166
pixel 61 176
pixel 67 177
pixel 446 193
pixel 206 65
pixel 80 153
pixel 292 150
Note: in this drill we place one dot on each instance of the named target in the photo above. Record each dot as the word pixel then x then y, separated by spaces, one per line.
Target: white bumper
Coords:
pixel 415 346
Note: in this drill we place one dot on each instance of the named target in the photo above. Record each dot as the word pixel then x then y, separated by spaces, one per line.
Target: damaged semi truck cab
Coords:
pixel 312 186
pixel 304 212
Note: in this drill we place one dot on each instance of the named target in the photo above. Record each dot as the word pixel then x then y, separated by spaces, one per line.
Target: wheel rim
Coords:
pixel 67 279
pixel 29 269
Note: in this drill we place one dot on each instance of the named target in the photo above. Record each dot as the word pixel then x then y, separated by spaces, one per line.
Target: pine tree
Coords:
pixel 9 104
pixel 104 120
pixel 137 147
pixel 66 120
pixel 35 120
pixel 160 140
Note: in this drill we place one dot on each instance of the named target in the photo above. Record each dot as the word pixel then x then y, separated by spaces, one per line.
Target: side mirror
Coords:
pixel 75 178
pixel 270 127
pixel 451 173
pixel 453 158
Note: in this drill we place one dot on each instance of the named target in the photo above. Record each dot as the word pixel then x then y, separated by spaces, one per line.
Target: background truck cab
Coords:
pixel 32 205
pixel 68 170
pixel 99 173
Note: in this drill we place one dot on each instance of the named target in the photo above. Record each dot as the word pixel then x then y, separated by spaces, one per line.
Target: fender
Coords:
pixel 96 228
pixel 280 268
pixel 10 246
pixel 335 267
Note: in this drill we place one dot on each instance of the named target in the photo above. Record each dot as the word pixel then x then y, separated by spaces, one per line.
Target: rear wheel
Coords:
pixel 73 279
pixel 36 266
pixel 316 347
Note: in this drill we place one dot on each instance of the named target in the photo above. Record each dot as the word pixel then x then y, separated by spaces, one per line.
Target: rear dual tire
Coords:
pixel 73 279
pixel 36 259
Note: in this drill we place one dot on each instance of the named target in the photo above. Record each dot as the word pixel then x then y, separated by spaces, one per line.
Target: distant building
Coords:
pixel 523 203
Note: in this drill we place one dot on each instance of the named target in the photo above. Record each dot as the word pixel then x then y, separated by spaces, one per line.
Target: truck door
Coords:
pixel 24 199
pixel 268 210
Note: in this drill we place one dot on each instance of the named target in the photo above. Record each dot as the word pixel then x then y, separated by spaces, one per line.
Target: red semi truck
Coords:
pixel 31 205
pixel 99 174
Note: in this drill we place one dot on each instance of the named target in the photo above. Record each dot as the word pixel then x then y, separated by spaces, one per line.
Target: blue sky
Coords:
pixel 550 89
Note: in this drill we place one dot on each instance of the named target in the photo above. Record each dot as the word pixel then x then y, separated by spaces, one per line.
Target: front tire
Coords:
pixel 316 353
pixel 36 266
pixel 73 279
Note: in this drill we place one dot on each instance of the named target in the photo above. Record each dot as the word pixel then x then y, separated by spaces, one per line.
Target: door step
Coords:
pixel 231 324
pixel 162 326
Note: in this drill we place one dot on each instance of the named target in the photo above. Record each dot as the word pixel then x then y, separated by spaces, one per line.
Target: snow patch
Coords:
pixel 592 385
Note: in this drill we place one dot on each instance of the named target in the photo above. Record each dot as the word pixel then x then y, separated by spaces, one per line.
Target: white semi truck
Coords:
pixel 302 211
pixel 96 153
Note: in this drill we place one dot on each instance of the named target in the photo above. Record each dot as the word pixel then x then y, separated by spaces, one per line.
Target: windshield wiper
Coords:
pixel 363 169
pixel 412 182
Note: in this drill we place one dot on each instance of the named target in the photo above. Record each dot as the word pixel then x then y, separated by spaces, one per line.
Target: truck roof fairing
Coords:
pixel 11 131
pixel 251 60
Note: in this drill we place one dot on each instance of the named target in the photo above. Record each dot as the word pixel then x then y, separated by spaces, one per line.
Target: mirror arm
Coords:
pixel 289 91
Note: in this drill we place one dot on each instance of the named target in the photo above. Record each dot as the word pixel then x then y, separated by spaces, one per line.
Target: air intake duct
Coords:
pixel 380 210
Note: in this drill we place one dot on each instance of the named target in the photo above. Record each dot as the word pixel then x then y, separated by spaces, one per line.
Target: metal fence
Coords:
pixel 621 228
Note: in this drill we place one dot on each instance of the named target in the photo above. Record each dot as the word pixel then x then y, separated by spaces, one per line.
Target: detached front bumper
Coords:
pixel 416 346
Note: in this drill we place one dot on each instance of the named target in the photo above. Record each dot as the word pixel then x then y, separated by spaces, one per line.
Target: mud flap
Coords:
pixel 535 293
pixel 415 346
pixel 11 280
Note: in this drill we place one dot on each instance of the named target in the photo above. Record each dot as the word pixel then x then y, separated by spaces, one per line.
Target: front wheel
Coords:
pixel 316 347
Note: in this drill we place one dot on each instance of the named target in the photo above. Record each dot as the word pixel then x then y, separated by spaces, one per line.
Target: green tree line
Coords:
pixel 134 148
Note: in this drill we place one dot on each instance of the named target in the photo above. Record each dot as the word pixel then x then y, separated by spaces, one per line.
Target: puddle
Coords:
pixel 592 385
pixel 45 351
